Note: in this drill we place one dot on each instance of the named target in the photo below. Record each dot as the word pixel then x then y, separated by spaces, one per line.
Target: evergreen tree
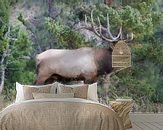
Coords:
pixel 4 17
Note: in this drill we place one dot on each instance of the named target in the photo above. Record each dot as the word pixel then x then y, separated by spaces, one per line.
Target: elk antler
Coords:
pixel 100 30
pixel 110 34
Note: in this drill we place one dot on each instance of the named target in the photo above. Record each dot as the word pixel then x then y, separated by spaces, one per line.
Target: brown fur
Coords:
pixel 101 58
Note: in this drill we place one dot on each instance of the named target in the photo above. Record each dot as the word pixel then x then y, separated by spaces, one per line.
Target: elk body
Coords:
pixel 83 63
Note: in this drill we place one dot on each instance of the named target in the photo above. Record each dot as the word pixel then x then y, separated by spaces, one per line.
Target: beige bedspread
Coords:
pixel 59 114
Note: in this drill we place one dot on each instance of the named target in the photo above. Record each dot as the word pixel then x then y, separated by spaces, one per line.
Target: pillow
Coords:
pixel 79 92
pixel 72 85
pixel 29 90
pixel 24 92
pixel 19 92
pixel 49 95
pixel 91 93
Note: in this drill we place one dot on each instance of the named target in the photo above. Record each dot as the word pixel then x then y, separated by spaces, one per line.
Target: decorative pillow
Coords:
pixel 79 92
pixel 72 85
pixel 29 90
pixel 91 93
pixel 24 92
pixel 49 95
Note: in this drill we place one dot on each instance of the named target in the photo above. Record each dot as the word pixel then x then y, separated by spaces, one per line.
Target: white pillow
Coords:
pixel 92 92
pixel 20 92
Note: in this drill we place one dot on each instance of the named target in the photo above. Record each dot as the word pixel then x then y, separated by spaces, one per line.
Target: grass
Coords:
pixel 3 103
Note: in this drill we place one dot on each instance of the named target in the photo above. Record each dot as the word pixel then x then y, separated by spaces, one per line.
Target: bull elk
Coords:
pixel 83 63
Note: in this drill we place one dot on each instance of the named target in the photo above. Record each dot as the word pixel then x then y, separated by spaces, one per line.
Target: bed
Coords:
pixel 66 113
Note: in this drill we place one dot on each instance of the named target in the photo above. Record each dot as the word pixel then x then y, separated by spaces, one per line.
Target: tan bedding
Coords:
pixel 59 114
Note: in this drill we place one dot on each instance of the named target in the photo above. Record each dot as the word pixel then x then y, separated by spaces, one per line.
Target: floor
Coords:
pixel 147 121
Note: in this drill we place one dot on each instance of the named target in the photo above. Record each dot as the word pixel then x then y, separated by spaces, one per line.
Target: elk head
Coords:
pixel 104 32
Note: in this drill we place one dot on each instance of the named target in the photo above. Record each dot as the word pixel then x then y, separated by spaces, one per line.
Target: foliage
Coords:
pixel 4 17
pixel 152 52
pixel 141 85
pixel 13 2
pixel 69 2
pixel 66 37
pixel 19 62
pixel 4 12
pixel 140 22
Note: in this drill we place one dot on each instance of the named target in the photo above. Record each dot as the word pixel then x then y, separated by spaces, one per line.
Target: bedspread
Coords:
pixel 59 114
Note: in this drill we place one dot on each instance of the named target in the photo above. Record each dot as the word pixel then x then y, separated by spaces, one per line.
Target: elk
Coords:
pixel 83 63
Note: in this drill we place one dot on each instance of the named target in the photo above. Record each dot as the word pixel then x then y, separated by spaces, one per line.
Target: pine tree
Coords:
pixel 4 17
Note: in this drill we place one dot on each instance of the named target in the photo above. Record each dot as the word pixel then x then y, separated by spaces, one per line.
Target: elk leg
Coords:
pixel 41 78
pixel 49 81
pixel 41 81
pixel 52 78
pixel 90 79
